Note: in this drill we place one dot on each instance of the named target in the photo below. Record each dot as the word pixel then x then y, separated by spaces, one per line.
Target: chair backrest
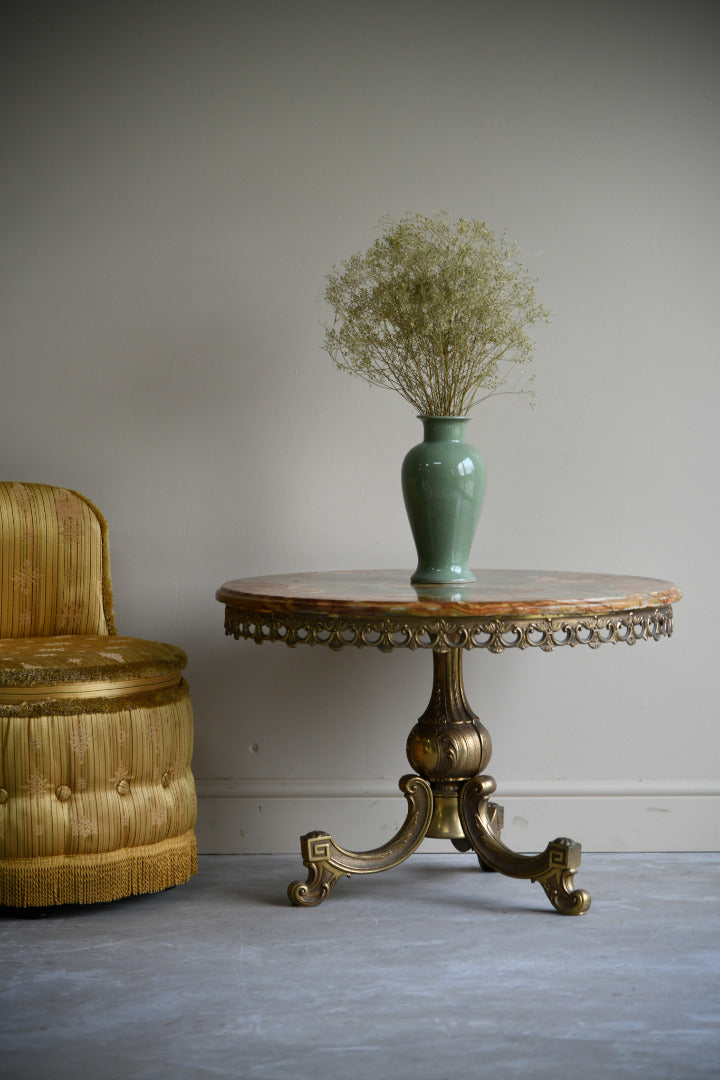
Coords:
pixel 54 563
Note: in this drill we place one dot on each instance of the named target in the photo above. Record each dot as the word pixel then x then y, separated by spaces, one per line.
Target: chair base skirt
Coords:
pixel 50 880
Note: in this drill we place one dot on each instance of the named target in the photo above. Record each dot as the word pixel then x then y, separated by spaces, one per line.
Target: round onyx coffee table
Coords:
pixel 448 796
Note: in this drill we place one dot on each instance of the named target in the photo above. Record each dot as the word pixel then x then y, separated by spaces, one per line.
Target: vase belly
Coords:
pixel 443 483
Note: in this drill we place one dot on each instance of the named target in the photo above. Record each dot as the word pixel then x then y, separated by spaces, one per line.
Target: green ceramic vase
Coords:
pixel 443 484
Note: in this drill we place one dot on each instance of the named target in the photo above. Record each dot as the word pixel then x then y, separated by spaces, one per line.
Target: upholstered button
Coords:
pixel 3 796
pixel 63 793
pixel 165 781
pixel 123 787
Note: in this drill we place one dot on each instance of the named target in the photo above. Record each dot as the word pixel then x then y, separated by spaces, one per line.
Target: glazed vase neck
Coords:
pixel 444 428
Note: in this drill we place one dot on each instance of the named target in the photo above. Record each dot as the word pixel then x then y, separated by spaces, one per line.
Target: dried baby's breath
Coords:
pixel 435 310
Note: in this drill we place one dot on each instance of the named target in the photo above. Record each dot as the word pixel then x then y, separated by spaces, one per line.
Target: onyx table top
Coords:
pixel 523 594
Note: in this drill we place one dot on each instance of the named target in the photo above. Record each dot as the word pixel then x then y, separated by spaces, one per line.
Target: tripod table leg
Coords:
pixel 554 868
pixel 326 862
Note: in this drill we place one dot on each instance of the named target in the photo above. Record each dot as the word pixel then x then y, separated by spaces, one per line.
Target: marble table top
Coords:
pixel 496 593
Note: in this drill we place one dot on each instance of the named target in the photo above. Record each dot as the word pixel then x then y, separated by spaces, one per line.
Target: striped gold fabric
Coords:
pixel 97 797
pixel 84 690
pixel 96 781
pixel 54 572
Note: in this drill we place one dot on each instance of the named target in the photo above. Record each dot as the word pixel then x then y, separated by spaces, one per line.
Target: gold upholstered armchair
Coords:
pixel 97 799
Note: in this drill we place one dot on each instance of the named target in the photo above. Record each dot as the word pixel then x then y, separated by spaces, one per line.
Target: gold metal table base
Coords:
pixel 448 797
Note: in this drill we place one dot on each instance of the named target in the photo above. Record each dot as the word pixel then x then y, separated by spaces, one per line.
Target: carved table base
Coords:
pixel 450 799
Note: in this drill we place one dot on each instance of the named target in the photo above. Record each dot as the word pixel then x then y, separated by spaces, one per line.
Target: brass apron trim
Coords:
pixel 15 695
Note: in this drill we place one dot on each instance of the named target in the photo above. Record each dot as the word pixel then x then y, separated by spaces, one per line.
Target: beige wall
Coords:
pixel 177 180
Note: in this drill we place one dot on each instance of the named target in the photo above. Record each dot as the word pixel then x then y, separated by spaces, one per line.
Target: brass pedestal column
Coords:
pixel 448 745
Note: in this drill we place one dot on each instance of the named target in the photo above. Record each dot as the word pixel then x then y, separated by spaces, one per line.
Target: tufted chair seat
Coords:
pixel 92 665
pixel 97 798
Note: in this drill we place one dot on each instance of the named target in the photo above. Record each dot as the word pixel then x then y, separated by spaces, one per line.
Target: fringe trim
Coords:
pixel 132 669
pixel 150 699
pixel 98 879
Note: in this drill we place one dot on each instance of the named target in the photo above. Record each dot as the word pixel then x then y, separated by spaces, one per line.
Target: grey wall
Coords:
pixel 177 180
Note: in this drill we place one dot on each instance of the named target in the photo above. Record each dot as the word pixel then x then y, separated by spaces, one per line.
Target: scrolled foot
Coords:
pixel 557 880
pixel 322 876
pixel 565 899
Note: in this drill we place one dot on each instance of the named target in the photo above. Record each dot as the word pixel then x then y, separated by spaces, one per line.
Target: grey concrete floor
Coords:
pixel 431 970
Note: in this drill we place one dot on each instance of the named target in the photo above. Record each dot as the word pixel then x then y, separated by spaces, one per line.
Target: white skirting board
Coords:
pixel 269 816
